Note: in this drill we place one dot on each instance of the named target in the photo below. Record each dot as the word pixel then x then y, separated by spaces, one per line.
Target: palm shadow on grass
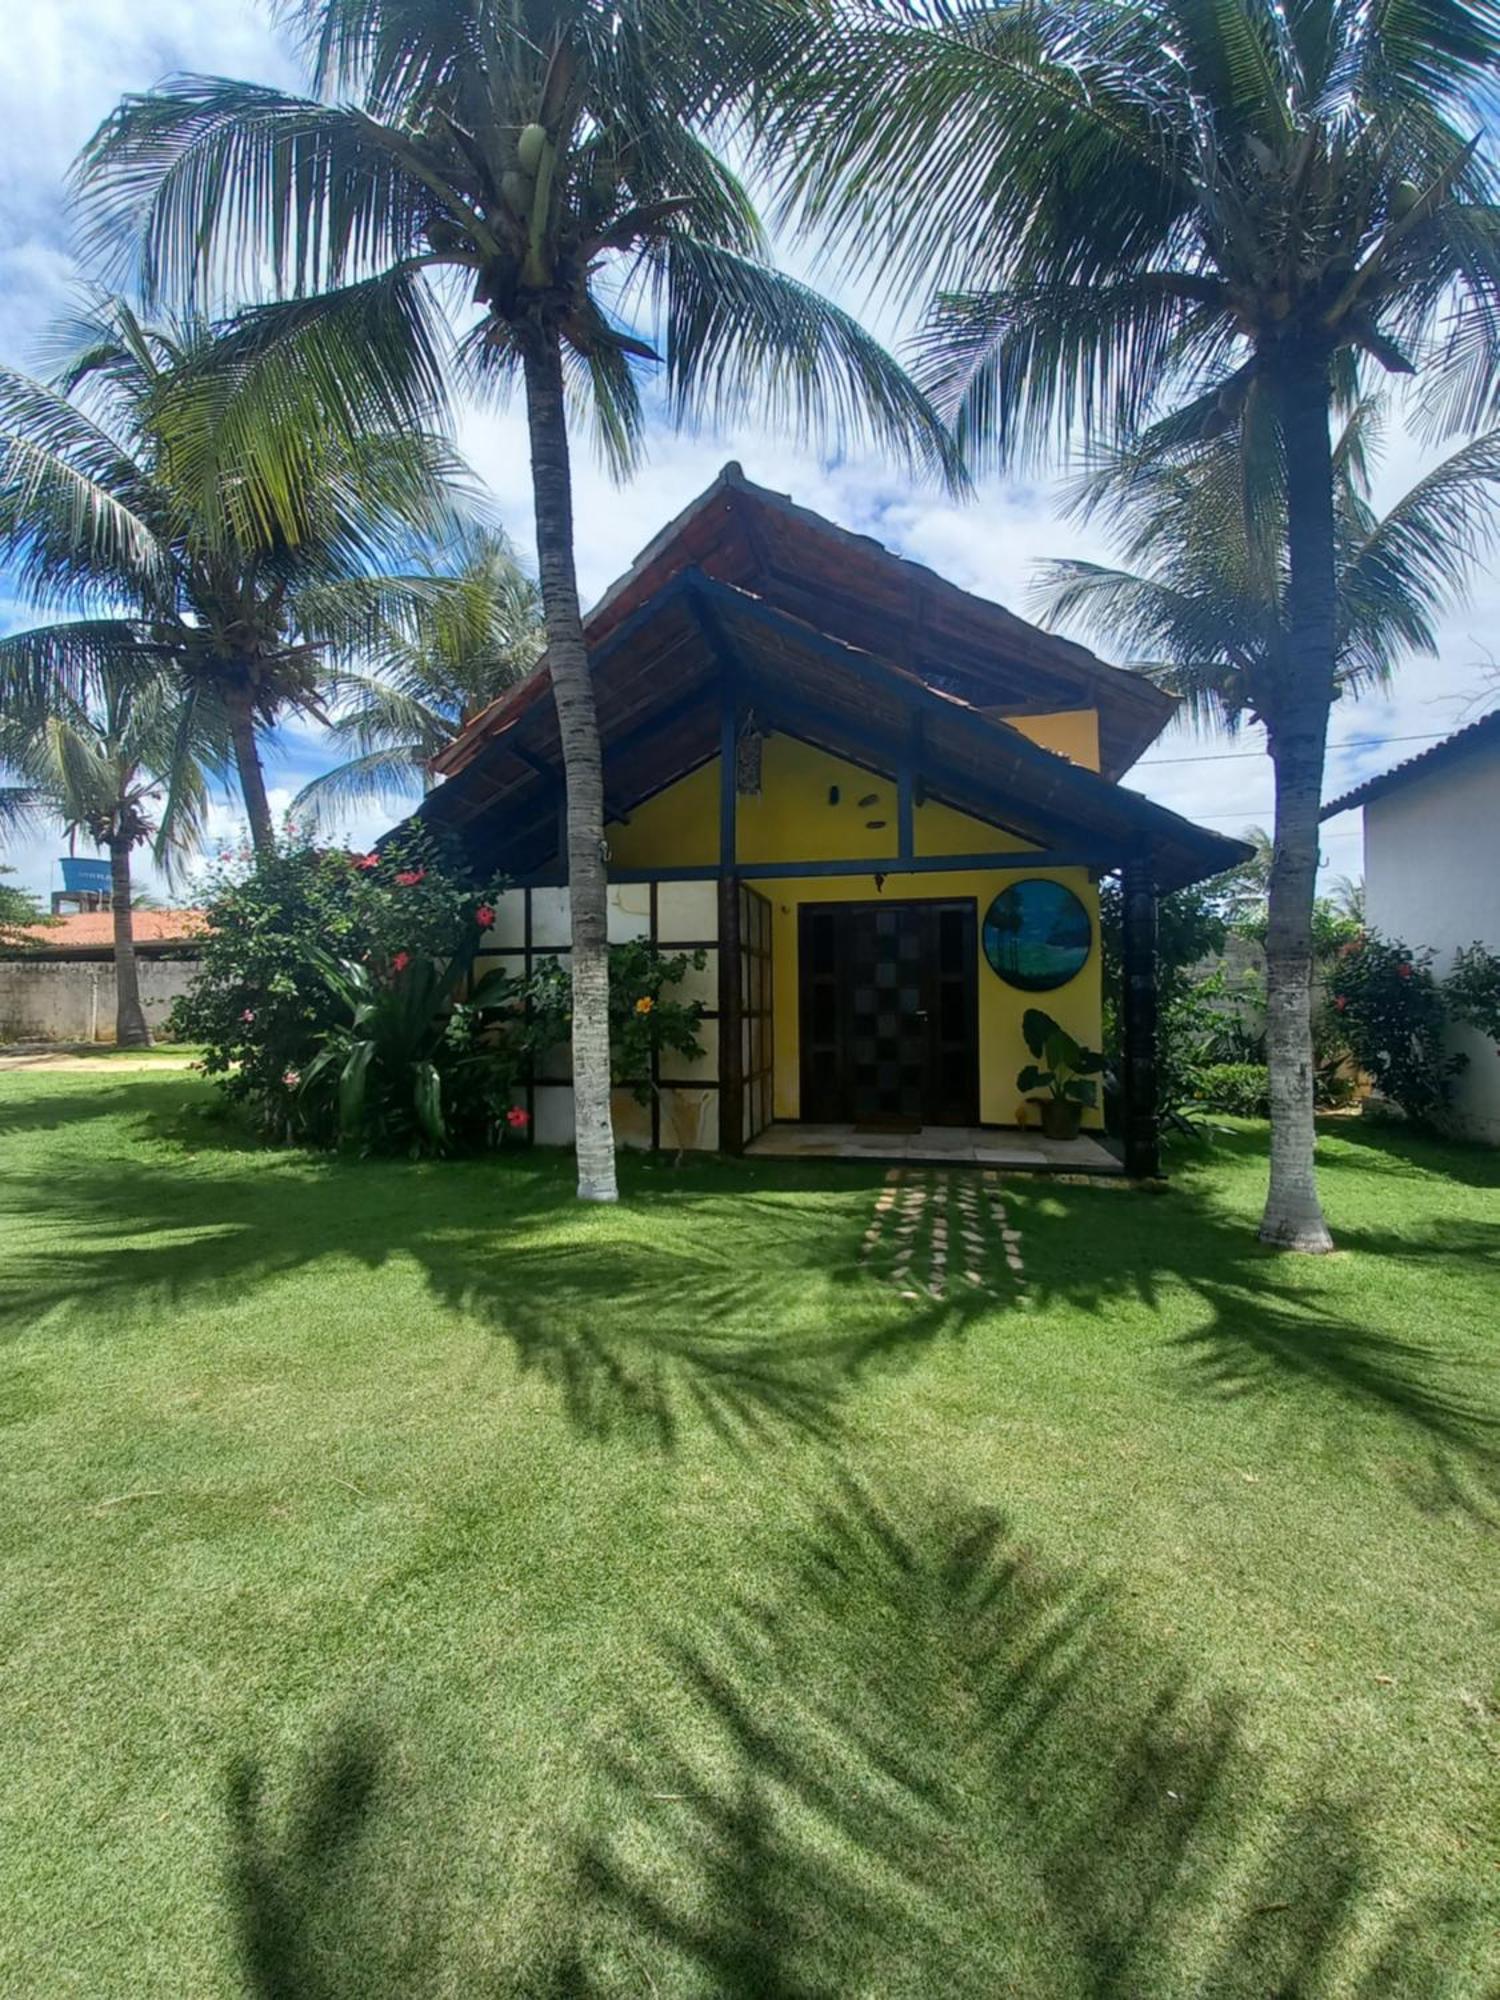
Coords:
pixel 688 1311
pixel 1272 1327
pixel 690 1308
pixel 910 1762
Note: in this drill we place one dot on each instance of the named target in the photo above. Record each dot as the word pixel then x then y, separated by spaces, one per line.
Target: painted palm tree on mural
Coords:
pixel 427 677
pixel 549 156
pixel 1126 211
pixel 160 504
pixel 118 758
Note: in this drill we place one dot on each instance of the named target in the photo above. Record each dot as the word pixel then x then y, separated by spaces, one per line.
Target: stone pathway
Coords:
pixel 931 1231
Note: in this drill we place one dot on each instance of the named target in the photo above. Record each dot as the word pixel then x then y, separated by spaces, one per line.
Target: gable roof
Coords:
pixel 853 588
pixel 661 673
pixel 1463 743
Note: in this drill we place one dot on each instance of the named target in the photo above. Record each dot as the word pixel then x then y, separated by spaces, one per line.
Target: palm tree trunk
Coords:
pixel 252 778
pixel 131 1031
pixel 583 767
pixel 1298 733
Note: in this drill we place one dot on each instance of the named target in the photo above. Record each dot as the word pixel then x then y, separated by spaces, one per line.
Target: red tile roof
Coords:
pixel 93 930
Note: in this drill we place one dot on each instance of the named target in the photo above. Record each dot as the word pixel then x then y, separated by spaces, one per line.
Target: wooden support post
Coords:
pixel 731 1019
pixel 1139 1011
pixel 729 738
pixel 906 839
pixel 731 1014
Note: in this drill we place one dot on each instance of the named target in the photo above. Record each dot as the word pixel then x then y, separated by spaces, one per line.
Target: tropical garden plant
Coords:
pixel 1472 990
pixel 1153 220
pixel 1394 1016
pixel 426 677
pixel 547 158
pixel 118 758
pixel 279 926
pixel 165 510
pixel 1062 1067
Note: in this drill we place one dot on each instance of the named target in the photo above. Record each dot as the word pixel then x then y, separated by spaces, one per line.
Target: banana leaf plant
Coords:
pixel 1062 1067
pixel 382 1074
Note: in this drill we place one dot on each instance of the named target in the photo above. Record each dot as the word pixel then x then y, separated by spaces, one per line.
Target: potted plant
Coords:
pixel 1063 1068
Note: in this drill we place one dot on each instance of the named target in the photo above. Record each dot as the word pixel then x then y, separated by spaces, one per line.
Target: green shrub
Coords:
pixel 644 1017
pixel 1472 991
pixel 336 1003
pixel 1243 1089
pixel 1393 1015
pixel 264 1005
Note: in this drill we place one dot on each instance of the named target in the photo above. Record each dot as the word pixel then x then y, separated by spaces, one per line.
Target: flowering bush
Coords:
pixel 644 1016
pixel 1473 990
pixel 264 1005
pixel 1393 1014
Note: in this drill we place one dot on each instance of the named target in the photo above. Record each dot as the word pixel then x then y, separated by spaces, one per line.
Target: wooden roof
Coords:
pixel 661 667
pixel 854 589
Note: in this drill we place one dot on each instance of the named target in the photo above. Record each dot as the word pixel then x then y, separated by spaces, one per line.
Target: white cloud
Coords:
pixel 64 64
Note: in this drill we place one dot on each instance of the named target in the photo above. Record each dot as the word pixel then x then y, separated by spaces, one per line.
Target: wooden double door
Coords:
pixel 889 1014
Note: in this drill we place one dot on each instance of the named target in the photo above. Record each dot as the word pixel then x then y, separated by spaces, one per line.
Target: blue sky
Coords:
pixel 64 63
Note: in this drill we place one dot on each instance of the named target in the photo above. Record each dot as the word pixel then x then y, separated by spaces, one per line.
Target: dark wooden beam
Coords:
pixel 1007 860
pixel 731 1041
pixel 906 838
pixel 1139 1019
pixel 729 729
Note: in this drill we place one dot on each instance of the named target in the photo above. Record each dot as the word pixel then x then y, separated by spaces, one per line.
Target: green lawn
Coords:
pixel 414 1585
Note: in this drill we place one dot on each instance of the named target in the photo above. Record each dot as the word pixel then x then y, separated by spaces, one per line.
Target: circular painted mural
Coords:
pixel 1037 935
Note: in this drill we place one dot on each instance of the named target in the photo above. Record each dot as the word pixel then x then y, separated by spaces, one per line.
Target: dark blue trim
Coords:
pixel 1011 860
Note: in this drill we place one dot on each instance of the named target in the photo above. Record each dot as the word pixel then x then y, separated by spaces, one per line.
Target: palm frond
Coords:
pixel 73 662
pixel 191 189
pixel 388 777
pixel 72 517
pixel 743 340
pixel 1416 561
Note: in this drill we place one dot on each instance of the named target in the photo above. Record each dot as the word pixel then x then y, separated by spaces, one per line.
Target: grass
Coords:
pixel 413 1585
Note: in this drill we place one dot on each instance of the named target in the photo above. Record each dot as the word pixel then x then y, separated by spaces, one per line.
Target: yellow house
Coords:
pixel 879 806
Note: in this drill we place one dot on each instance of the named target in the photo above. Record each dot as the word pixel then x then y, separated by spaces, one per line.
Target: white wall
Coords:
pixel 1432 879
pixel 63 1000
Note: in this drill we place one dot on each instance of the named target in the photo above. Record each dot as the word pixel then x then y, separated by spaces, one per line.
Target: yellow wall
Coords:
pixel 1072 733
pixel 793 818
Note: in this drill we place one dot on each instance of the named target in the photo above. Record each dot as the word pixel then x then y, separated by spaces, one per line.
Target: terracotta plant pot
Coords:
pixel 1061 1117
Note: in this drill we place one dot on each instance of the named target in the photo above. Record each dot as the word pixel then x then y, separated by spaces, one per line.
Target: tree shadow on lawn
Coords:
pixel 1270 1326
pixel 731 1296
pixel 911 1763
pixel 699 1302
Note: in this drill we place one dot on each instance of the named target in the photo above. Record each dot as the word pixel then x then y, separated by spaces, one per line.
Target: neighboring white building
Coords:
pixel 1432 878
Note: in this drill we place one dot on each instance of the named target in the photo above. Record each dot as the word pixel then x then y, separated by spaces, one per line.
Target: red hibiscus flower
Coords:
pixel 1403 970
pixel 410 877
pixel 400 962
pixel 517 1118
pixel 367 861
pixel 484 916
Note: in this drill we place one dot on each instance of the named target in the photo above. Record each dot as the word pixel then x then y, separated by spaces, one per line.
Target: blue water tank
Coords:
pixel 85 878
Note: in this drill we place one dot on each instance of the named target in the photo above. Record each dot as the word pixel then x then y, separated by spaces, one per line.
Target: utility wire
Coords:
pixel 1353 743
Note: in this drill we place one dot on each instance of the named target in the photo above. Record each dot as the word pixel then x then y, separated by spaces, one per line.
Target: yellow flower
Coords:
pixel 644 1004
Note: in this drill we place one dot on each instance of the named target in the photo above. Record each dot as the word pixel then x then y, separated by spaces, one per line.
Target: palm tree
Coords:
pixel 118 759
pixel 153 497
pixel 1219 208
pixel 428 677
pixel 1202 604
pixel 547 155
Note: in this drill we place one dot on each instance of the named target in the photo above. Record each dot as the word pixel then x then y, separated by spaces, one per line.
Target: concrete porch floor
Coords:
pixel 945 1145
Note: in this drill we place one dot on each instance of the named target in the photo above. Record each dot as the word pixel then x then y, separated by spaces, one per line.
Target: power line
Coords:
pixel 1234 756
